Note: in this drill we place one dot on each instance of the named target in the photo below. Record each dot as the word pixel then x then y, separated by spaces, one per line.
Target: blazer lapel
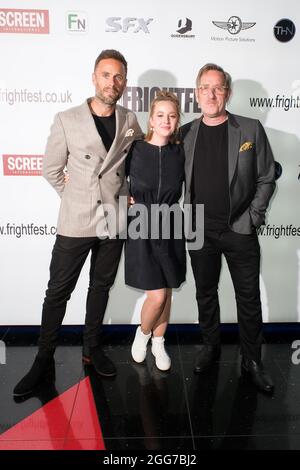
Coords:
pixel 189 148
pixel 234 138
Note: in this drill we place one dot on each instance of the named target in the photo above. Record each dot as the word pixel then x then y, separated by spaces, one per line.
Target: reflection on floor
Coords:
pixel 144 408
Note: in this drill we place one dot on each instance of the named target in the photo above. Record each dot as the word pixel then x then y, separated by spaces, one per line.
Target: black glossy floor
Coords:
pixel 143 408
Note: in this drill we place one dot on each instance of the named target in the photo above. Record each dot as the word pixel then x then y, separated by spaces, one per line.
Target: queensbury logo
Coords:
pixel 22 165
pixel 184 25
pixel 234 25
pixel 24 21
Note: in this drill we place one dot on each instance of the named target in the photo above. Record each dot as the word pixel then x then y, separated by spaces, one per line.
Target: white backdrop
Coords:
pixel 47 60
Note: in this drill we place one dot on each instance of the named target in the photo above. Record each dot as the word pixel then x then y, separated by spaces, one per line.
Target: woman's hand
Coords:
pixel 130 201
pixel 66 176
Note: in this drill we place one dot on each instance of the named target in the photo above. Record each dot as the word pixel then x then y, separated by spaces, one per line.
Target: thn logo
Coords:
pixel 234 25
pixel 2 352
pixel 116 24
pixel 76 21
pixel 184 25
pixel 284 30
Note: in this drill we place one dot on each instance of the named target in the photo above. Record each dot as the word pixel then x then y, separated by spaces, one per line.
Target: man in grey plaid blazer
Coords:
pixel 91 141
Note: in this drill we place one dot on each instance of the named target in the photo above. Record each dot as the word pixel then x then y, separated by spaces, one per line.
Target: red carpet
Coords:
pixel 68 422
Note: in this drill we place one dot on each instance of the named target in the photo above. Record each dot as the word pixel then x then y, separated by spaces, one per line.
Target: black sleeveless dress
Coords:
pixel 155 260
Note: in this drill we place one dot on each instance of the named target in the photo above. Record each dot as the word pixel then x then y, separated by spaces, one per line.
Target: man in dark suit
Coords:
pixel 230 169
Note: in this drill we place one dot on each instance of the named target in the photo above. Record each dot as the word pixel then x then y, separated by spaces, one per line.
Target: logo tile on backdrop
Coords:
pixel 115 24
pixel 184 26
pixel 233 26
pixel 284 30
pixel 22 165
pixel 76 21
pixel 24 21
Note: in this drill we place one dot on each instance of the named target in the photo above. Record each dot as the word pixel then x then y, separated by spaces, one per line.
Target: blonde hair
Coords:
pixel 164 96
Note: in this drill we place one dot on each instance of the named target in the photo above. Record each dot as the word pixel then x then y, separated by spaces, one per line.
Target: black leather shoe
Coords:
pixel 257 374
pixel 206 357
pixel 42 370
pixel 102 364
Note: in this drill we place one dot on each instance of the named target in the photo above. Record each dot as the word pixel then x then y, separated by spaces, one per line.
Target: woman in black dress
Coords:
pixel 156 263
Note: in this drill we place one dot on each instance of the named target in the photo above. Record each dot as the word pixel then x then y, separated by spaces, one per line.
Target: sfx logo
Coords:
pixel 116 24
pixel 234 25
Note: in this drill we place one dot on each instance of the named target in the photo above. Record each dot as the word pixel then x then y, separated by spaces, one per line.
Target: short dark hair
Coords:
pixel 208 67
pixel 111 54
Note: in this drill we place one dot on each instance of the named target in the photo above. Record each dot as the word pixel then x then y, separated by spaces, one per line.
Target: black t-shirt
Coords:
pixel 106 126
pixel 210 175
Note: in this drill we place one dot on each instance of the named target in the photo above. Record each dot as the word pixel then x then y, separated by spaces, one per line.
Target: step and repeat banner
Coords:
pixel 48 50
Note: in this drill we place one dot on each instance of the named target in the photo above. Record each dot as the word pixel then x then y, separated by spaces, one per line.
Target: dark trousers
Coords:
pixel 242 253
pixel 68 257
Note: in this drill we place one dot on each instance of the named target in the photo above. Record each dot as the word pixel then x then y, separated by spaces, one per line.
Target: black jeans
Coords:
pixel 242 253
pixel 68 257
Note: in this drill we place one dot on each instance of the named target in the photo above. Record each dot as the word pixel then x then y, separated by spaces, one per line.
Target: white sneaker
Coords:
pixel 162 359
pixel 139 345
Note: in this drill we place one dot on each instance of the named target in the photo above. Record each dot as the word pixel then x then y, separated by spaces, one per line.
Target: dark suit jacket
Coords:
pixel 251 170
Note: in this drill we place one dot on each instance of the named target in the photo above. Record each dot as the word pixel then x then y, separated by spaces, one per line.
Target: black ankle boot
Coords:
pixel 102 364
pixel 42 370
pixel 256 372
pixel 206 357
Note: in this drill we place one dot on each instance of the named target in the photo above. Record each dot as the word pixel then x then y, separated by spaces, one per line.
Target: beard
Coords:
pixel 109 99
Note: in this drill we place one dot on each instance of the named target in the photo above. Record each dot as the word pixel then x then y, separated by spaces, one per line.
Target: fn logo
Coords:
pixel 76 21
